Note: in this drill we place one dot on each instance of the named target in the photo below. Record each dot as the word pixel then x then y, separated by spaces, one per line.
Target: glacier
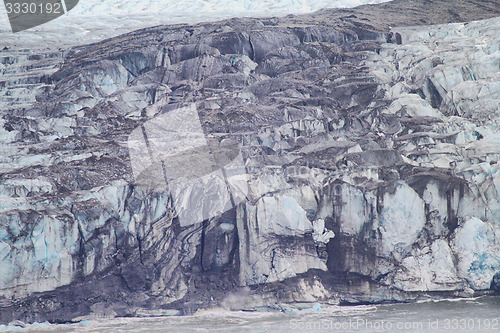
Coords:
pixel 95 20
pixel 370 140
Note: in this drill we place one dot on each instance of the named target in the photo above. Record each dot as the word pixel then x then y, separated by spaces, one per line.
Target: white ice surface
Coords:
pixel 93 20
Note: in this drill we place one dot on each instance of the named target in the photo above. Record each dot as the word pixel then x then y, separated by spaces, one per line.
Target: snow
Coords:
pixel 93 20
pixel 270 223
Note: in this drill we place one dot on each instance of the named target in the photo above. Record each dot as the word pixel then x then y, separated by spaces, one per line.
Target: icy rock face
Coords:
pixel 275 237
pixel 478 252
pixel 372 175
pixel 450 73
pixel 431 268
pixel 403 205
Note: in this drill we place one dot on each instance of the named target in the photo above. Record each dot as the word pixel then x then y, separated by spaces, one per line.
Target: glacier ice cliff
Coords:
pixel 370 137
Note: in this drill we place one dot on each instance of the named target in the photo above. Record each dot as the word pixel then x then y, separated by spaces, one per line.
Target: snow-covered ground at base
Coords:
pixel 94 20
